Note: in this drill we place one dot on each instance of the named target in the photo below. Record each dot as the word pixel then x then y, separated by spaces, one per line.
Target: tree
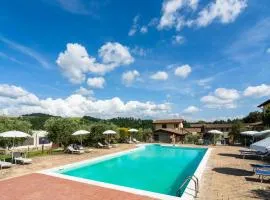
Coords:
pixel 236 129
pixel 8 124
pixel 266 117
pixel 97 130
pixel 60 130
pixel 253 117
pixel 124 134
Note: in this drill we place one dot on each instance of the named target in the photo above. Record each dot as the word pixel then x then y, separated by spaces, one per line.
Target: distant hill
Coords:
pixel 38 115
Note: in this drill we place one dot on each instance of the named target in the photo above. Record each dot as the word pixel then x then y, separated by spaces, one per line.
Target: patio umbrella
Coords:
pixel 264 132
pixel 215 132
pixel 250 133
pixel 109 132
pixel 132 130
pixel 14 134
pixel 262 145
pixel 81 133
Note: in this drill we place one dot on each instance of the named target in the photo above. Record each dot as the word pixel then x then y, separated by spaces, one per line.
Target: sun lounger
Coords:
pixel 4 164
pixel 135 141
pixel 100 145
pixel 17 157
pixel 262 173
pixel 254 154
pixel 71 150
pixel 260 166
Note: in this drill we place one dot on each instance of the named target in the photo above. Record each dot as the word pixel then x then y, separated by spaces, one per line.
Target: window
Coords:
pixel 176 125
pixel 164 125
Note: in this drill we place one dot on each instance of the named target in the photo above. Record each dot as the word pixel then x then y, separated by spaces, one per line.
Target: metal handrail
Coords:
pixel 196 182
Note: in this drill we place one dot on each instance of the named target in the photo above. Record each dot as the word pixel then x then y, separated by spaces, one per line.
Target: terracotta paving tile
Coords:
pixel 43 187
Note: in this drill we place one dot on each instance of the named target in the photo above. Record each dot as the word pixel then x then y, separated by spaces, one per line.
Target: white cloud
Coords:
pixel 144 29
pixel 134 26
pixel 257 91
pixel 225 11
pixel 115 54
pixel 191 110
pixel 84 92
pixel 178 13
pixel 183 71
pixel 205 82
pixel 268 50
pixel 11 94
pixel 139 51
pixel 78 105
pixel 171 13
pixel 26 51
pixel 129 77
pixel 222 98
pixel 224 93
pixel 96 82
pixel 160 75
pixel 74 6
pixel 178 39
pixel 75 62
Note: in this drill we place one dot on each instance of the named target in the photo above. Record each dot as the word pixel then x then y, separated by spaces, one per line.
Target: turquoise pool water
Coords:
pixel 154 168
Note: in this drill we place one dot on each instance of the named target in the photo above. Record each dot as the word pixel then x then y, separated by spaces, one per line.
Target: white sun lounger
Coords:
pixel 4 164
pixel 72 150
pixel 17 157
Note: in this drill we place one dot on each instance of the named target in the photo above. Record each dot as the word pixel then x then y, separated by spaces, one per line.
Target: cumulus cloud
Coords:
pixel 115 54
pixel 191 110
pixel 76 105
pixel 222 98
pixel 183 71
pixel 176 13
pixel 171 12
pixel 129 77
pixel 160 75
pixel 257 91
pixel 96 82
pixel 84 92
pixel 225 11
pixel 75 62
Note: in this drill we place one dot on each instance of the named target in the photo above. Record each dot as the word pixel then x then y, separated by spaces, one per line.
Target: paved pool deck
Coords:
pixel 227 176
pixel 42 187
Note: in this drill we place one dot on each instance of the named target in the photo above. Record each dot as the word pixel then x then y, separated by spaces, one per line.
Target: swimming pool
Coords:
pixel 155 168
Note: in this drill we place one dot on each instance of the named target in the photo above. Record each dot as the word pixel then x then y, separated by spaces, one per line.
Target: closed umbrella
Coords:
pixel 109 132
pixel 80 133
pixel 132 130
pixel 215 132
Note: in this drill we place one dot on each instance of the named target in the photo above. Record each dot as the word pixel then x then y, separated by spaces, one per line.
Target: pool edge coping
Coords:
pixel 189 192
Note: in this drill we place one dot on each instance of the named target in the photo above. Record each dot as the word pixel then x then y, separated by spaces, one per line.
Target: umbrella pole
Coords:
pixel 81 139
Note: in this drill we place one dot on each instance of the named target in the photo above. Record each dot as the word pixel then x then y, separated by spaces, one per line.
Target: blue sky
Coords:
pixel 197 59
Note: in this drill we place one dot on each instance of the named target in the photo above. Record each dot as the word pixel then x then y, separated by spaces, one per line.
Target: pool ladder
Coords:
pixel 196 182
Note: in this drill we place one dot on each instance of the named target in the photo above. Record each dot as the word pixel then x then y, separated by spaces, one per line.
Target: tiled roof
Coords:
pixel 192 130
pixel 264 103
pixel 167 121
pixel 211 125
pixel 170 130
